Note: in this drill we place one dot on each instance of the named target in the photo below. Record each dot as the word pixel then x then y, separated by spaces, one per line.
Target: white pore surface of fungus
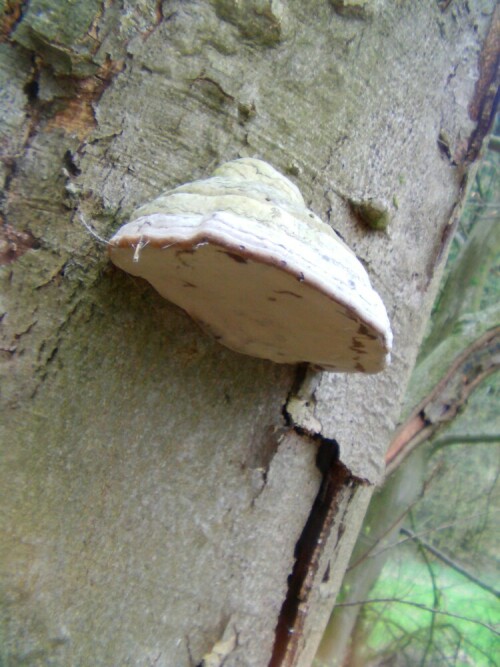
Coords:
pixel 245 258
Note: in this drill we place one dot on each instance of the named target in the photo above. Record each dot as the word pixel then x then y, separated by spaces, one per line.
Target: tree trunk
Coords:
pixel 166 499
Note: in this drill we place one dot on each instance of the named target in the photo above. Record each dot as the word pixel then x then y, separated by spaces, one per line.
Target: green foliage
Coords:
pixel 418 636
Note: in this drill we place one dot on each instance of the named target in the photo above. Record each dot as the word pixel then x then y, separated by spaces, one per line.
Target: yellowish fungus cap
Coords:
pixel 241 253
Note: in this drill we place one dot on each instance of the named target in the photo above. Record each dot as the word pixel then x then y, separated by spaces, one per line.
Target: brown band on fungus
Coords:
pixel 331 319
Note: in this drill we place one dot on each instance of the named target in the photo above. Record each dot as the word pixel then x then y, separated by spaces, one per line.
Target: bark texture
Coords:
pixel 155 486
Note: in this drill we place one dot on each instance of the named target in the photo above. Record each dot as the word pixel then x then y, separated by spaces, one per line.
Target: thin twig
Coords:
pixel 465 439
pixel 424 607
pixel 451 563
pixel 435 593
pixel 392 526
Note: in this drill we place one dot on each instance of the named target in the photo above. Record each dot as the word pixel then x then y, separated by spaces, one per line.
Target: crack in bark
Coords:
pixel 308 552
pixel 486 94
pixel 449 228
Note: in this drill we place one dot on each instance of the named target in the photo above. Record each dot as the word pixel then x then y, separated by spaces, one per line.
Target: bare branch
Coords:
pixel 479 438
pixel 424 607
pixel 369 553
pixel 451 563
pixel 441 405
pixel 435 593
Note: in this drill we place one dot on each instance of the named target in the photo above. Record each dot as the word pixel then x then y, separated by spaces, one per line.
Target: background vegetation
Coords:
pixel 426 564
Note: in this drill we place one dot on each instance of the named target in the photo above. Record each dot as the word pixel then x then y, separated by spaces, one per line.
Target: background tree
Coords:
pixel 163 498
pixel 442 486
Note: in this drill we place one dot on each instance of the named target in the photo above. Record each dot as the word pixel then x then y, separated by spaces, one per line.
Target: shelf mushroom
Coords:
pixel 242 254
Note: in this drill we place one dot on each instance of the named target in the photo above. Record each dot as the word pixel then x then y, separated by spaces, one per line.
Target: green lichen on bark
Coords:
pixel 61 32
pixel 360 9
pixel 261 21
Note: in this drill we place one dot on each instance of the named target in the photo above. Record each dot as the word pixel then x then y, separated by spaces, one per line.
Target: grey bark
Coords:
pixel 152 491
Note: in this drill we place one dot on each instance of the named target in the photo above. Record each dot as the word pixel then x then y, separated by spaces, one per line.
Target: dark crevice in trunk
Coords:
pixel 308 551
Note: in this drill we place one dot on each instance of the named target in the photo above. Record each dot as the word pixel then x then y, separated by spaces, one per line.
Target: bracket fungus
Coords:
pixel 242 254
